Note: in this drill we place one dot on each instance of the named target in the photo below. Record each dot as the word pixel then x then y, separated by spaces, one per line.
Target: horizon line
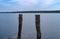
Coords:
pixel 47 11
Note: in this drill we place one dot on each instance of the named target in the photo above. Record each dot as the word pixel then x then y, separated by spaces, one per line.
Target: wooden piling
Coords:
pixel 20 26
pixel 37 21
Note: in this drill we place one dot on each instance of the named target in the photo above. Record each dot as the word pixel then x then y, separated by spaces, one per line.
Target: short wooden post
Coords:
pixel 20 26
pixel 37 21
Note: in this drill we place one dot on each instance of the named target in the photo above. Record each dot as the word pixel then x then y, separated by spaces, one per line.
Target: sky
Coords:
pixel 23 5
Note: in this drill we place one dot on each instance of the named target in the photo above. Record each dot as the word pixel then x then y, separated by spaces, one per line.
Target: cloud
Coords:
pixel 25 2
pixel 47 3
pixel 5 4
pixel 35 2
pixel 55 8
pixel 29 5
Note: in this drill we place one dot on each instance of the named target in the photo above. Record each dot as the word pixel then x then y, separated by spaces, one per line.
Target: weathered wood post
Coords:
pixel 37 21
pixel 20 26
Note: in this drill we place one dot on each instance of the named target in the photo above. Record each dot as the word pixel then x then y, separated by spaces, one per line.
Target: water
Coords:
pixel 50 26
pixel 8 25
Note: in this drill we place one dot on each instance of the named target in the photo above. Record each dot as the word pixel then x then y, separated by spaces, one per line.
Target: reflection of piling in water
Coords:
pixel 20 26
pixel 37 18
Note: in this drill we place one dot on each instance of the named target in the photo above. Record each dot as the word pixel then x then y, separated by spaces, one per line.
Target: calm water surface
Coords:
pixel 50 26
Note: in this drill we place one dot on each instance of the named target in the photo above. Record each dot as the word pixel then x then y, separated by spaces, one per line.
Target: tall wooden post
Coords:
pixel 20 26
pixel 37 21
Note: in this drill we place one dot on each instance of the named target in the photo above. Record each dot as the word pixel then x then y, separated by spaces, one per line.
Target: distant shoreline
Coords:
pixel 52 11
